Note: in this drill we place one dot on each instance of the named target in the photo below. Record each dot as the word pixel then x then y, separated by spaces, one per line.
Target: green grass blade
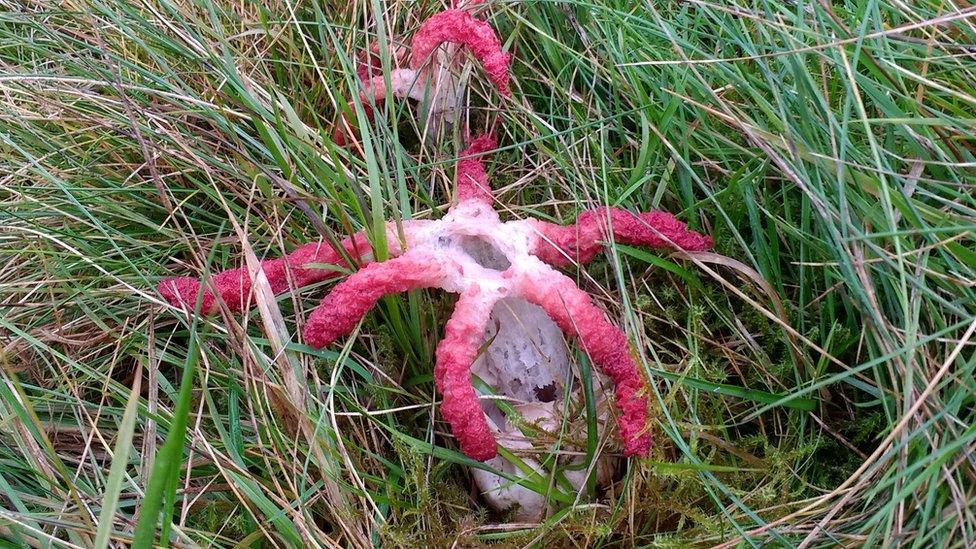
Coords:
pixel 120 462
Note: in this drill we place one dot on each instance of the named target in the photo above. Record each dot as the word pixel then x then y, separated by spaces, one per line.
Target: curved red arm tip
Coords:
pixel 352 298
pixel 459 27
pixel 306 265
pixel 463 336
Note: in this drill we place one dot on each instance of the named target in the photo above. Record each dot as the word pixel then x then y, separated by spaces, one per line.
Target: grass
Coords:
pixel 814 374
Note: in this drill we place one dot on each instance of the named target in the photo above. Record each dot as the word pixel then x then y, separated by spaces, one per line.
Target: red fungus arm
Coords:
pixel 607 346
pixel 454 26
pixel 304 266
pixel 352 298
pixel 471 179
pixel 561 245
pixel 458 27
pixel 463 336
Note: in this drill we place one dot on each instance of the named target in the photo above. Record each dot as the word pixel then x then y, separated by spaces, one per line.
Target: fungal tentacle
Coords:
pixel 459 27
pixel 607 346
pixel 453 26
pixel 471 179
pixel 562 245
pixel 351 299
pixel 306 265
pixel 438 256
pixel 456 352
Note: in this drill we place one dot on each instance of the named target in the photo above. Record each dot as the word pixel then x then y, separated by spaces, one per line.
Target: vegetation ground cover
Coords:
pixel 814 375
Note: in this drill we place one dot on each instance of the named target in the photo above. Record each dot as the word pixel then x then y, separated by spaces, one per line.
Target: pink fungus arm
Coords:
pixel 471 179
pixel 607 346
pixel 458 27
pixel 561 245
pixel 463 336
pixel 306 265
pixel 351 299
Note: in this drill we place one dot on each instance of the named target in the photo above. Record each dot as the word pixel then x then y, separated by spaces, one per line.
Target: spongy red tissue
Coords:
pixel 351 299
pixel 471 180
pixel 451 26
pixel 459 27
pixel 308 264
pixel 563 245
pixel 606 345
pixel 463 336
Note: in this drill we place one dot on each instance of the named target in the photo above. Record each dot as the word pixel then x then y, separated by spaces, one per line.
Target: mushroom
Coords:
pixel 473 253
pixel 510 296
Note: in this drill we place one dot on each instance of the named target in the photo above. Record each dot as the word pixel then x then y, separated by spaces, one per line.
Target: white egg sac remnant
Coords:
pixel 527 365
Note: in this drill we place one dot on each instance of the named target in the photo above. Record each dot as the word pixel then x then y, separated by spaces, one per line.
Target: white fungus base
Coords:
pixel 528 364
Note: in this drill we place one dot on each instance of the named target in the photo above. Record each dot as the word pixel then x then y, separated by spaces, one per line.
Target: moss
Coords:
pixel 431 510
pixel 220 515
